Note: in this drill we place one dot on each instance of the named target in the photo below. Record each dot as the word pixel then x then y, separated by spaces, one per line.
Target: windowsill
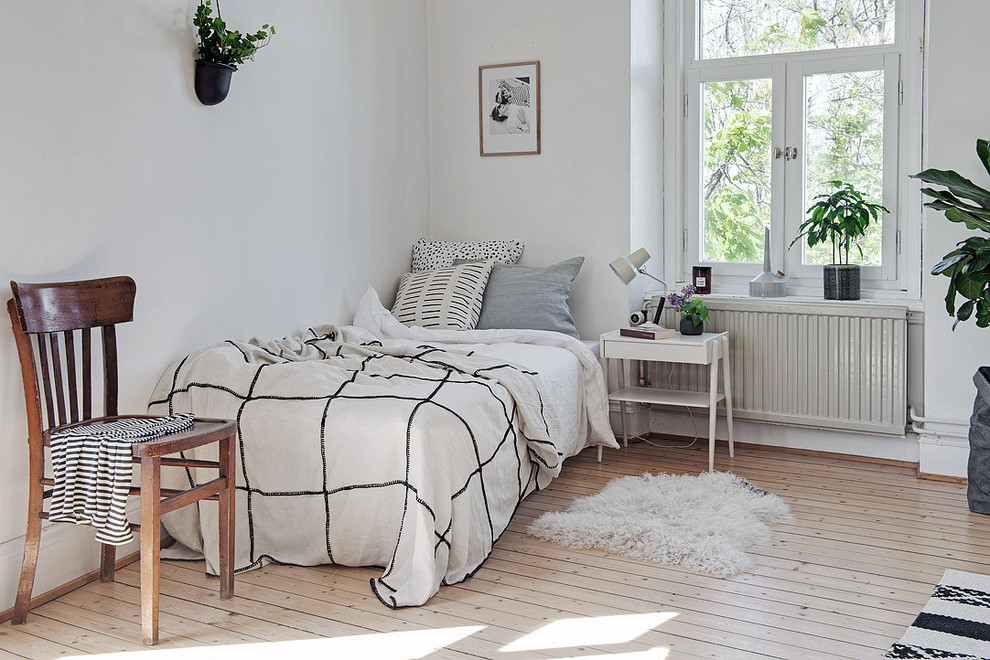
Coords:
pixel 873 299
pixel 913 305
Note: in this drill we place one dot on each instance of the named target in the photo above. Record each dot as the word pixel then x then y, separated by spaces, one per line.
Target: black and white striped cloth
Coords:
pixel 955 622
pixel 92 468
pixel 447 298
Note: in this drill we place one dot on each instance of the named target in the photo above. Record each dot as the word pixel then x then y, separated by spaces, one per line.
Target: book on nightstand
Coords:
pixel 647 331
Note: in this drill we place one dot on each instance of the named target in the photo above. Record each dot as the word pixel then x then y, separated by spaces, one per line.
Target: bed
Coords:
pixel 379 444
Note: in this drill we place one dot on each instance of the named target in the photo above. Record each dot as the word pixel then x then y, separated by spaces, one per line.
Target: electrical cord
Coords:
pixel 694 421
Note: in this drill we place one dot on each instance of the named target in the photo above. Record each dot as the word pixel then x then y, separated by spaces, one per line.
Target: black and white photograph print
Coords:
pixel 509 109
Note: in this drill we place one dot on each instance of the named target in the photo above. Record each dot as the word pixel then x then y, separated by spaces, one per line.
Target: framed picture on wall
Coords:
pixel 509 96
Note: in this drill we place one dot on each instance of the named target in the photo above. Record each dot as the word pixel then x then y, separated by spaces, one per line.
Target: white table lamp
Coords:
pixel 626 268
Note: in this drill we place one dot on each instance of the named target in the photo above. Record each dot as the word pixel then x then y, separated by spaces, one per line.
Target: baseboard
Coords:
pixel 63 589
pixel 787 450
pixel 69 554
pixel 942 477
pixel 944 456
pixel 903 449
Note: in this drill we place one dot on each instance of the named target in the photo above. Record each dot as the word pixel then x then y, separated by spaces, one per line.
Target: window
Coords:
pixel 780 98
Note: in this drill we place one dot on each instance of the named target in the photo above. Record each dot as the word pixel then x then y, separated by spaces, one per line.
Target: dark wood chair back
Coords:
pixel 60 320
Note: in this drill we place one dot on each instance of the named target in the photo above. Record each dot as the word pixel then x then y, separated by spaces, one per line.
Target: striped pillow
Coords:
pixel 448 298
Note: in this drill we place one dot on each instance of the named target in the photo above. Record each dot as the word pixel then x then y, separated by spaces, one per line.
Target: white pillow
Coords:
pixel 430 255
pixel 448 298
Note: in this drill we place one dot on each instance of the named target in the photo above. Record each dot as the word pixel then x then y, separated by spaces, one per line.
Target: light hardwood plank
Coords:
pixel 844 580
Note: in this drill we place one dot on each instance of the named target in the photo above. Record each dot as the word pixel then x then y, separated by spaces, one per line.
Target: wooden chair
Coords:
pixel 52 327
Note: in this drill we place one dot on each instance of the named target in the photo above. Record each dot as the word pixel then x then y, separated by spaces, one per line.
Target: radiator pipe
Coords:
pixel 915 420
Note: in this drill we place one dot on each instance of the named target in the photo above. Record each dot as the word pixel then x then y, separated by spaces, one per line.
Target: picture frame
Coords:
pixel 509 109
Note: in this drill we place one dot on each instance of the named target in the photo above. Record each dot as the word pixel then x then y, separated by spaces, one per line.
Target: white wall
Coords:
pixel 589 192
pixel 259 216
pixel 573 198
pixel 956 116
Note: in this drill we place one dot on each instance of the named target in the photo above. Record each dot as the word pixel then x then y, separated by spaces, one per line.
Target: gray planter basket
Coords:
pixel 841 281
pixel 978 490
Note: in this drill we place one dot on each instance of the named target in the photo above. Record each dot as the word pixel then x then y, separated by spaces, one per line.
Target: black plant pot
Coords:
pixel 212 81
pixel 689 328
pixel 841 281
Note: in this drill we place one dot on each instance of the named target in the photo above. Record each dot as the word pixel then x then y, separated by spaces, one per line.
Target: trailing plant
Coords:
pixel 688 306
pixel 222 46
pixel 839 218
pixel 968 266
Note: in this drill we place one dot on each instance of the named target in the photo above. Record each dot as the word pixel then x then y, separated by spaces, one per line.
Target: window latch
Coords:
pixel 787 153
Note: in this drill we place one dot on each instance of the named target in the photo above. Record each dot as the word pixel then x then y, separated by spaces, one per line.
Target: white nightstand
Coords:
pixel 708 348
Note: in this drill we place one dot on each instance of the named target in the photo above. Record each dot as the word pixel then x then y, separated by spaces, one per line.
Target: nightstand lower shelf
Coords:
pixel 665 397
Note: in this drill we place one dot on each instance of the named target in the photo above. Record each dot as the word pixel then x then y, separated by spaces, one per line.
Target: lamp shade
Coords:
pixel 638 258
pixel 623 269
pixel 627 267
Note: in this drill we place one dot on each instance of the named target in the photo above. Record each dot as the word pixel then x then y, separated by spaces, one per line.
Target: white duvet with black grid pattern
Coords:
pixel 408 456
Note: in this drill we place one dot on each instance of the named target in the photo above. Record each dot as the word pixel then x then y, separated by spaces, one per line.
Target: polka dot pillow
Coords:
pixel 431 255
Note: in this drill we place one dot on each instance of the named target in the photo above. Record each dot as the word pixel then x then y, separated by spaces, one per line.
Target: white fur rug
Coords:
pixel 704 523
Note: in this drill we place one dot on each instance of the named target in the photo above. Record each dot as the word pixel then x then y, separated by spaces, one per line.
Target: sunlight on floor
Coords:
pixel 595 631
pixel 653 654
pixel 395 646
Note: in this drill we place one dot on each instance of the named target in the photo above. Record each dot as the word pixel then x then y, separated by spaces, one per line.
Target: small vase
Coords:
pixel 689 328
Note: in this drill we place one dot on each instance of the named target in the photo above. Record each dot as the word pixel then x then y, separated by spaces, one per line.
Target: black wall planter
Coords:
pixel 212 81
pixel 841 281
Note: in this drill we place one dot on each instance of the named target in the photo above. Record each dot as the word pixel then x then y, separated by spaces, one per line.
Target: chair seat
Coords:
pixel 202 432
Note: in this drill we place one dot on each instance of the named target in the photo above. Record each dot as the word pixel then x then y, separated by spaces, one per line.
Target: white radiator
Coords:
pixel 835 366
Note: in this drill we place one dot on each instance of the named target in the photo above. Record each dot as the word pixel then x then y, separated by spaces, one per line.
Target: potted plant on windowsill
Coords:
pixel 220 51
pixel 839 218
pixel 694 313
pixel 968 266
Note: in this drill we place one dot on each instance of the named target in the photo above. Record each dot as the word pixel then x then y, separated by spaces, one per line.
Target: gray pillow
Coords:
pixel 529 297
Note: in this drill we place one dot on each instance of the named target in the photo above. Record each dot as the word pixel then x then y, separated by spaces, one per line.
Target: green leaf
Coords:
pixel 945 199
pixel 941 266
pixel 974 244
pixel 967 286
pixel 971 221
pixel 979 263
pixel 983 151
pixel 966 310
pixel 958 184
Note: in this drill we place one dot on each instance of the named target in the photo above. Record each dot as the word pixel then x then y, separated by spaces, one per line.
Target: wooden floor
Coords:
pixel 844 581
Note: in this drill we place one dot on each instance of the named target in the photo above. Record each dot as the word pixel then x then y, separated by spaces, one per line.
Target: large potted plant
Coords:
pixel 968 266
pixel 220 51
pixel 840 218
pixel 968 270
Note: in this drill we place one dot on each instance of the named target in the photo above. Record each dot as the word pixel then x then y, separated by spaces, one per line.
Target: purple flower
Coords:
pixel 678 300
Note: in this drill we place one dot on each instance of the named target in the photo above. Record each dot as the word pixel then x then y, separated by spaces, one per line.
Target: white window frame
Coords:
pixel 684 74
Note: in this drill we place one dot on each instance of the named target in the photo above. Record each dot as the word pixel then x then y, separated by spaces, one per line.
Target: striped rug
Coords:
pixel 954 624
